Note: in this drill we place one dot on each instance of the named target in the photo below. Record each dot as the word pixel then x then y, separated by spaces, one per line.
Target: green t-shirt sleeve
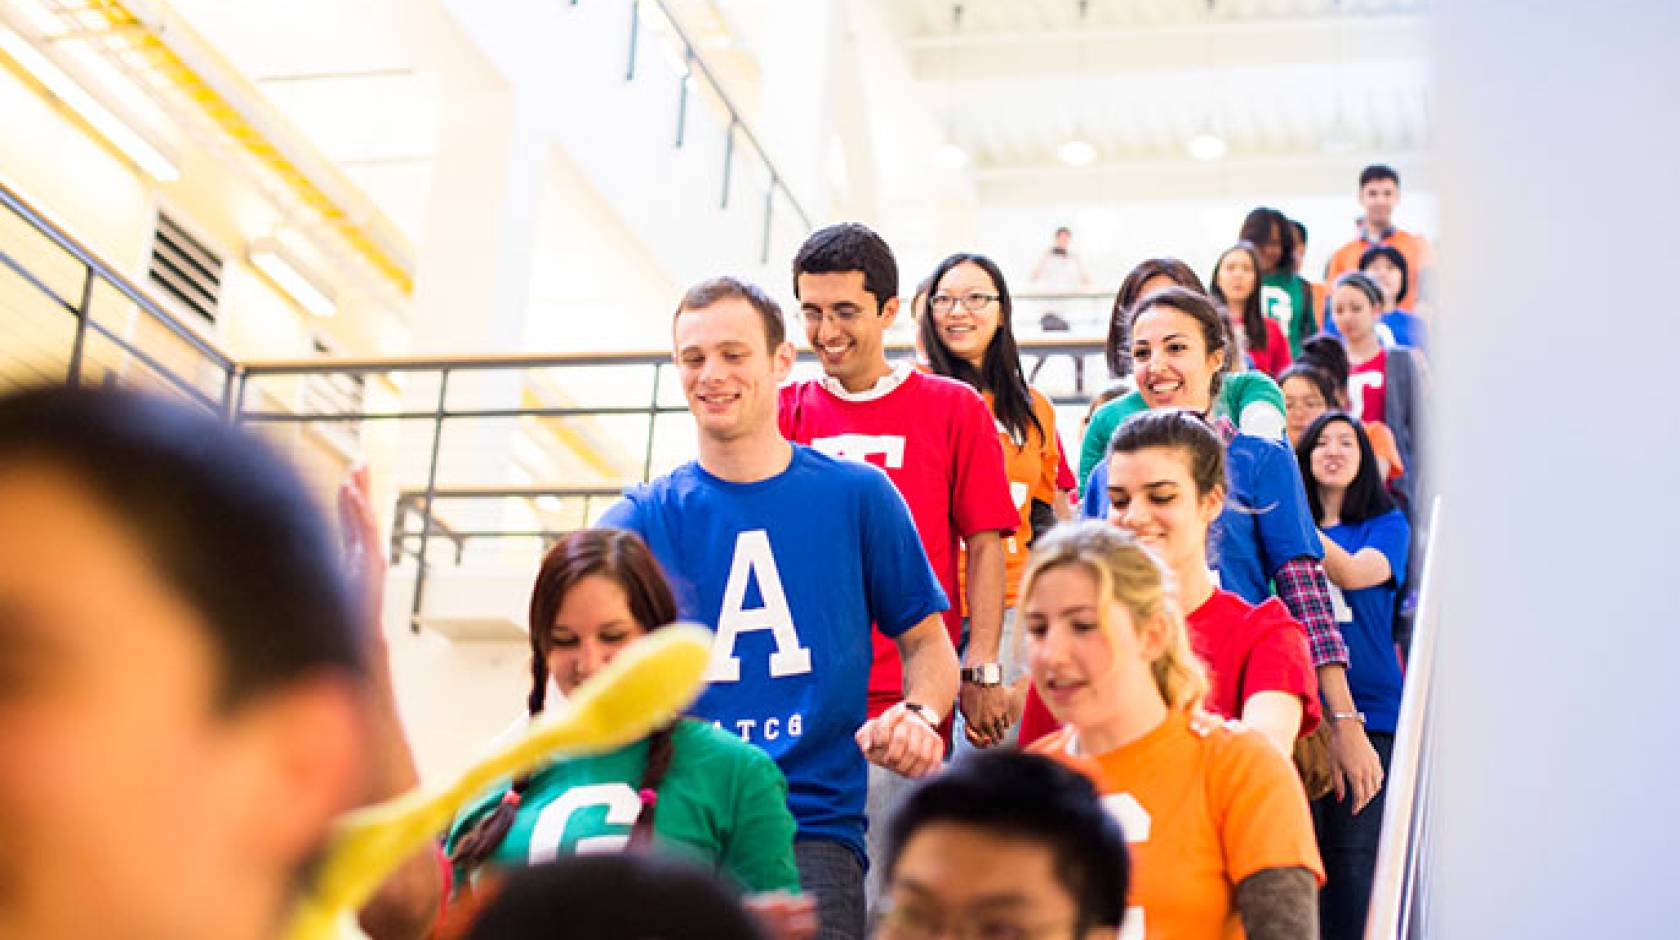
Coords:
pixel 758 848
pixel 1101 430
pixel 1254 403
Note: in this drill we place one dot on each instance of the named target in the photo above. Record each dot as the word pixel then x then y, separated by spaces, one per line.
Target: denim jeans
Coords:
pixel 1012 656
pixel 1348 844
pixel 886 790
pixel 832 873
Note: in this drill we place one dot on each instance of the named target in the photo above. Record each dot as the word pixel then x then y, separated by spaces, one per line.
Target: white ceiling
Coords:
pixel 1280 80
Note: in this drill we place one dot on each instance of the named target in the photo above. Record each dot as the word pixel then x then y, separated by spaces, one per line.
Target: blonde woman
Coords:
pixel 1109 653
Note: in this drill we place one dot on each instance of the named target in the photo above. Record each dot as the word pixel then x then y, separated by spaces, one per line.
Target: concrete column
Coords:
pixel 1558 458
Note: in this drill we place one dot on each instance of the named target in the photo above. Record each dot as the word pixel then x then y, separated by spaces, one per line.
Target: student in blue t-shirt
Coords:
pixel 1366 540
pixel 791 555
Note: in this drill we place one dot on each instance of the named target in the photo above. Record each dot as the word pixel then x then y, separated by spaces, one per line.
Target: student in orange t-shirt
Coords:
pixel 968 337
pixel 1221 837
pixel 1379 193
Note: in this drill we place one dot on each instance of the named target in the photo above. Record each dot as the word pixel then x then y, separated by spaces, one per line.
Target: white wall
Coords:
pixel 1557 758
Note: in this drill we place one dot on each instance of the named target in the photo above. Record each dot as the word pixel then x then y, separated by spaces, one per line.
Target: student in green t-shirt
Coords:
pixel 689 789
pixel 1285 296
pixel 1251 400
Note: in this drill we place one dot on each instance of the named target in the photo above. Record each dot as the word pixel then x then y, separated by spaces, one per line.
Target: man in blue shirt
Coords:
pixel 791 555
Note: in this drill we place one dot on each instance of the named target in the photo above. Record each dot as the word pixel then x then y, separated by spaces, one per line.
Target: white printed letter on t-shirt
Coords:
pixel 753 558
pixel 860 447
pixel 1134 823
pixel 549 833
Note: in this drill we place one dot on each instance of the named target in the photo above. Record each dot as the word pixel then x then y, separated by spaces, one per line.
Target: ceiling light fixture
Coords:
pixel 266 256
pixel 1208 146
pixel 950 157
pixel 1077 151
pixel 104 122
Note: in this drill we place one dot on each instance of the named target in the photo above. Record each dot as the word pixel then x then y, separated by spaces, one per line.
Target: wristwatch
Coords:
pixel 987 674
pixel 1347 716
pixel 926 714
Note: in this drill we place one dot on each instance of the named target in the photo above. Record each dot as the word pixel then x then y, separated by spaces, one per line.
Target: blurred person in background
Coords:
pixel 1386 384
pixel 1236 286
pixel 1379 194
pixel 1285 296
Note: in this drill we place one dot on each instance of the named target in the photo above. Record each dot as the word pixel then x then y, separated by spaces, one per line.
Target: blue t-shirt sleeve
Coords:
pixel 900 585
pixel 1094 505
pixel 624 514
pixel 1389 534
pixel 1287 530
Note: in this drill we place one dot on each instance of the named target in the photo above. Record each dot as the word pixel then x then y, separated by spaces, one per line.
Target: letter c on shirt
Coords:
pixel 549 834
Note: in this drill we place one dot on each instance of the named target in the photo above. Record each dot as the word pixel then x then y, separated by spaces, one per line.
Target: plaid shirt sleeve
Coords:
pixel 1301 585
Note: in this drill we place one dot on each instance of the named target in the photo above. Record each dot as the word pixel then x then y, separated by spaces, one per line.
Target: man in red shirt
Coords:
pixel 936 440
pixel 1379 193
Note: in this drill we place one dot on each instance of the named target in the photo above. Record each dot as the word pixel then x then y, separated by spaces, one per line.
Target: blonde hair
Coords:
pixel 1127 574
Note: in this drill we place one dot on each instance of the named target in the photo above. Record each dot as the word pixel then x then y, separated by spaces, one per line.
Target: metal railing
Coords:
pixel 634 389
pixel 117 328
pixel 736 125
pixel 1400 891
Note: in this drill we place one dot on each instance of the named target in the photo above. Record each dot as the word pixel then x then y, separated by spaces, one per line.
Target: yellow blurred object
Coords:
pixel 644 687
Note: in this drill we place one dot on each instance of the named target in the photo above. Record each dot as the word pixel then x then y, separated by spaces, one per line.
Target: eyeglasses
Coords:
pixel 908 923
pixel 975 301
pixel 843 316
pixel 1292 402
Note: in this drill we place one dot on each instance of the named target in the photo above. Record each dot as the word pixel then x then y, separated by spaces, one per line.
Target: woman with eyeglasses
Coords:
pixel 968 337
pixel 1219 829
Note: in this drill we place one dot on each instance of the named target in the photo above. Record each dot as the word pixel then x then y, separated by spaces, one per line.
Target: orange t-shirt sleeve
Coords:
pixel 1260 808
pixel 1383 446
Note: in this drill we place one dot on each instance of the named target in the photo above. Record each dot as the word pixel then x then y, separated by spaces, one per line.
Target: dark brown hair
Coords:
pixel 718 289
pixel 623 558
pixel 1000 368
pixel 1118 354
pixel 1198 307
pixel 1254 323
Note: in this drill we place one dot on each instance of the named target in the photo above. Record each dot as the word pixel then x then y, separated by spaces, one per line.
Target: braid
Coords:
pixel 539 685
pixel 476 844
pixel 661 747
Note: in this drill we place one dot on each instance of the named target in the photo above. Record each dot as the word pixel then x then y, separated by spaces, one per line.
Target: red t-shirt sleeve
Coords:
pixel 1036 720
pixel 980 495
pixel 1279 661
pixel 787 411
pixel 1065 480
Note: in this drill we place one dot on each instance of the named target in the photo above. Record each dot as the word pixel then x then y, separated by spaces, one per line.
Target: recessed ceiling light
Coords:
pixel 1207 146
pixel 950 157
pixel 1077 152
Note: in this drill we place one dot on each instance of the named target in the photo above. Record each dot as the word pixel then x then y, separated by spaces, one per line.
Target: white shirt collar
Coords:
pixel 883 386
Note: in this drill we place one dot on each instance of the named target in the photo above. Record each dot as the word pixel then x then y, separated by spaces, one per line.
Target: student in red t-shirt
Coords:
pixel 1385 383
pixel 1236 286
pixel 937 442
pixel 1166 484
pixel 1220 833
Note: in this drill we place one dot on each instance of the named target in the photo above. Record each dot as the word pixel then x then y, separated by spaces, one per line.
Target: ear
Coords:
pixel 1152 635
pixel 1212 504
pixel 307 744
pixel 1218 359
pixel 889 312
pixel 782 360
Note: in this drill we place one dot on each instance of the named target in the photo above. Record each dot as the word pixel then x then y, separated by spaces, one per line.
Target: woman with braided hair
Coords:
pixel 689 789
